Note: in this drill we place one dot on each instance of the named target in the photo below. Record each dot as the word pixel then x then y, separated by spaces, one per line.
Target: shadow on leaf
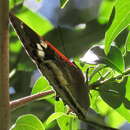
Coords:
pixel 113 93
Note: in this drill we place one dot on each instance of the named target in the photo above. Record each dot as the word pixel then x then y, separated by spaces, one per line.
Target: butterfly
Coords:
pixel 63 75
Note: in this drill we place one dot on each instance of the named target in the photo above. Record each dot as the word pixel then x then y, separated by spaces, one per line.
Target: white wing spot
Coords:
pixel 41 53
pixel 44 44
pixel 21 25
pixel 39 47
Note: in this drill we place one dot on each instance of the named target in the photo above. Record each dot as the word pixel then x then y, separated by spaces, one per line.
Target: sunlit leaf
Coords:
pixel 64 122
pixel 54 116
pixel 121 21
pixel 59 106
pixel 115 119
pixel 28 122
pixel 124 112
pixel 98 57
pixel 105 11
pixel 42 85
pixel 37 23
pixel 128 42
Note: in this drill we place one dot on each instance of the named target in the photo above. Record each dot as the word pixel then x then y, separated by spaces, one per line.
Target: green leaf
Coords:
pixel 113 93
pixel 59 106
pixel 82 65
pixel 105 11
pixel 54 116
pixel 13 3
pixel 63 3
pixel 115 119
pixel 121 21
pixel 98 57
pixel 34 21
pixel 128 42
pixel 28 122
pixel 96 70
pixel 14 45
pixel 42 85
pixel 127 95
pixel 65 122
pixel 124 112
pixel 94 99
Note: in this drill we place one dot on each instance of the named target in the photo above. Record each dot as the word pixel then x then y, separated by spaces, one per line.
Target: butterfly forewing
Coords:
pixel 65 77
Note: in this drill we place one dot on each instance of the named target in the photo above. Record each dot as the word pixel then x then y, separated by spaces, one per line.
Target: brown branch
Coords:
pixel 4 67
pixel 20 102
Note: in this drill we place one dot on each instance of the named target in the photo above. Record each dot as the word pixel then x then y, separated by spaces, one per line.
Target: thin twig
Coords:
pixel 99 83
pixel 4 67
pixel 22 101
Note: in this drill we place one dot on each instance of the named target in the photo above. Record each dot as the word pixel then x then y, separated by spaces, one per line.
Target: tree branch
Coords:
pixel 4 67
pixel 20 102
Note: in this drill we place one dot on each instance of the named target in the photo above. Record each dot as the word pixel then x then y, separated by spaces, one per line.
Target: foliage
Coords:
pixel 28 122
pixel 121 21
pixel 109 71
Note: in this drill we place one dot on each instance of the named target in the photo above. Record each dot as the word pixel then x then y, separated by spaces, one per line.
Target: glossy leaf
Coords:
pixel 121 21
pixel 28 122
pixel 98 57
pixel 105 10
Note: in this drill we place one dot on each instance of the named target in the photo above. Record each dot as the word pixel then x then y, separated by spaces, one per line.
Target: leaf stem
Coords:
pixel 99 83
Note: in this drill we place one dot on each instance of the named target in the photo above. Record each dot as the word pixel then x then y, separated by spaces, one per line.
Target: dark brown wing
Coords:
pixel 66 78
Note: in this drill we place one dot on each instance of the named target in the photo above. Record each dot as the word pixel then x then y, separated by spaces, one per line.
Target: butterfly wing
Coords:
pixel 65 77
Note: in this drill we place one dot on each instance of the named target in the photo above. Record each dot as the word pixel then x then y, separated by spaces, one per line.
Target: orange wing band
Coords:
pixel 59 53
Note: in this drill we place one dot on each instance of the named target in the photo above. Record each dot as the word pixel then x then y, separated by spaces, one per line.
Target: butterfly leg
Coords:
pixel 57 97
